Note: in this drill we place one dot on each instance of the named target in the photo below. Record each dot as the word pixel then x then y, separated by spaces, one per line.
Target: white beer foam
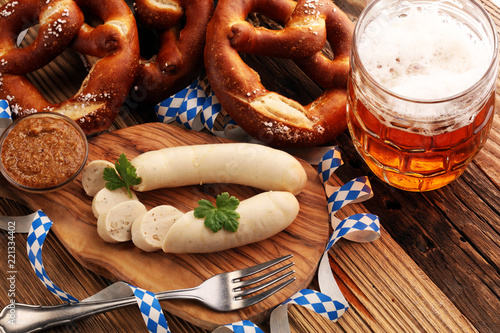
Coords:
pixel 424 54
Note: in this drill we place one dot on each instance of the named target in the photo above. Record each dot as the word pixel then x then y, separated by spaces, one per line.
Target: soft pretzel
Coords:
pixel 115 43
pixel 59 24
pixel 181 25
pixel 266 115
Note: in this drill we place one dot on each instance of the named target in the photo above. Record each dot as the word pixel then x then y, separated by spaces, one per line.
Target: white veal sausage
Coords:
pixel 248 164
pixel 261 217
pixel 149 229
pixel 105 199
pixel 115 225
pixel 92 176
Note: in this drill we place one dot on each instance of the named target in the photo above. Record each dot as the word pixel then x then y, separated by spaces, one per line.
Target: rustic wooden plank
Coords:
pixel 488 157
pixel 389 303
pixel 451 233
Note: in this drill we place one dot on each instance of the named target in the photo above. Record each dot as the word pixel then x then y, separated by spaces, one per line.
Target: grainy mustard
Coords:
pixel 42 152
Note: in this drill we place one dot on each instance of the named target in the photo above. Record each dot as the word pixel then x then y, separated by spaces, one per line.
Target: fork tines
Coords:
pixel 252 285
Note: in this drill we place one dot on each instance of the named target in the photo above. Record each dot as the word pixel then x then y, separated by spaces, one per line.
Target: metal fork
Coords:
pixel 17 224
pixel 222 292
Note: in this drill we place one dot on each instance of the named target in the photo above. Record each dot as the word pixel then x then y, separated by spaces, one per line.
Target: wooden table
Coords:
pixel 436 267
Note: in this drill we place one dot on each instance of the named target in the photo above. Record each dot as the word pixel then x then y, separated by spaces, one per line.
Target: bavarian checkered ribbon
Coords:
pixel 194 109
pixel 5 115
pixel 149 305
pixel 244 326
pixel 36 237
pixel 151 310
pixel 329 301
pixel 190 107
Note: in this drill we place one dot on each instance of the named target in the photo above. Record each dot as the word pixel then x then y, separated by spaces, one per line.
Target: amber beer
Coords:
pixel 421 94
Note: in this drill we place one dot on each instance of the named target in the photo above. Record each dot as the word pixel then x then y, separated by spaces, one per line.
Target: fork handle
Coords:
pixel 34 318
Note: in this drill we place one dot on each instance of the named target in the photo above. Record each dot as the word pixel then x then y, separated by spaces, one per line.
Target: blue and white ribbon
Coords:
pixel 329 301
pixel 36 237
pixel 188 111
pixel 190 107
pixel 318 302
pixel 193 108
pixel 5 115
pixel 151 310
pixel 244 326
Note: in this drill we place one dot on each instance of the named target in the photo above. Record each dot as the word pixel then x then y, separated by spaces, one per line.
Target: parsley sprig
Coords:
pixel 222 215
pixel 122 175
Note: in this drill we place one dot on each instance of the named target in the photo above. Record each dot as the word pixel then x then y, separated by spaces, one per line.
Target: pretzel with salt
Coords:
pixel 59 24
pixel 181 25
pixel 115 43
pixel 266 115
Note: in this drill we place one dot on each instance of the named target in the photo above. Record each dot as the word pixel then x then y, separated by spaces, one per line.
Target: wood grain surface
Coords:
pixel 436 267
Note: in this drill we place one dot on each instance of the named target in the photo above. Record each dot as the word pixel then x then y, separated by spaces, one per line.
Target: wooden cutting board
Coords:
pixel 75 226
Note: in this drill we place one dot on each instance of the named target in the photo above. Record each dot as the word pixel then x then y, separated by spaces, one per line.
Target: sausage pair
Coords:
pixel 279 174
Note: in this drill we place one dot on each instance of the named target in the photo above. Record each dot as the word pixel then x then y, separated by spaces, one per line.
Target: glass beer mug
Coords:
pixel 421 92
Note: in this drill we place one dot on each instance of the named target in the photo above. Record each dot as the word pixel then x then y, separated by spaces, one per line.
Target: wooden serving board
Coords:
pixel 75 226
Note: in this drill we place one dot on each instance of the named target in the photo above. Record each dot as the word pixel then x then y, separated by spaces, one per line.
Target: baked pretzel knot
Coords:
pixel 181 27
pixel 266 115
pixel 114 43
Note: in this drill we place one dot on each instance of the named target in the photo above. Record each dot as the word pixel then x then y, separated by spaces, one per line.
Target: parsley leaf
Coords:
pixel 122 175
pixel 223 215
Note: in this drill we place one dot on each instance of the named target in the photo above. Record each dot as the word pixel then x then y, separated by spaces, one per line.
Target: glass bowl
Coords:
pixel 42 152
